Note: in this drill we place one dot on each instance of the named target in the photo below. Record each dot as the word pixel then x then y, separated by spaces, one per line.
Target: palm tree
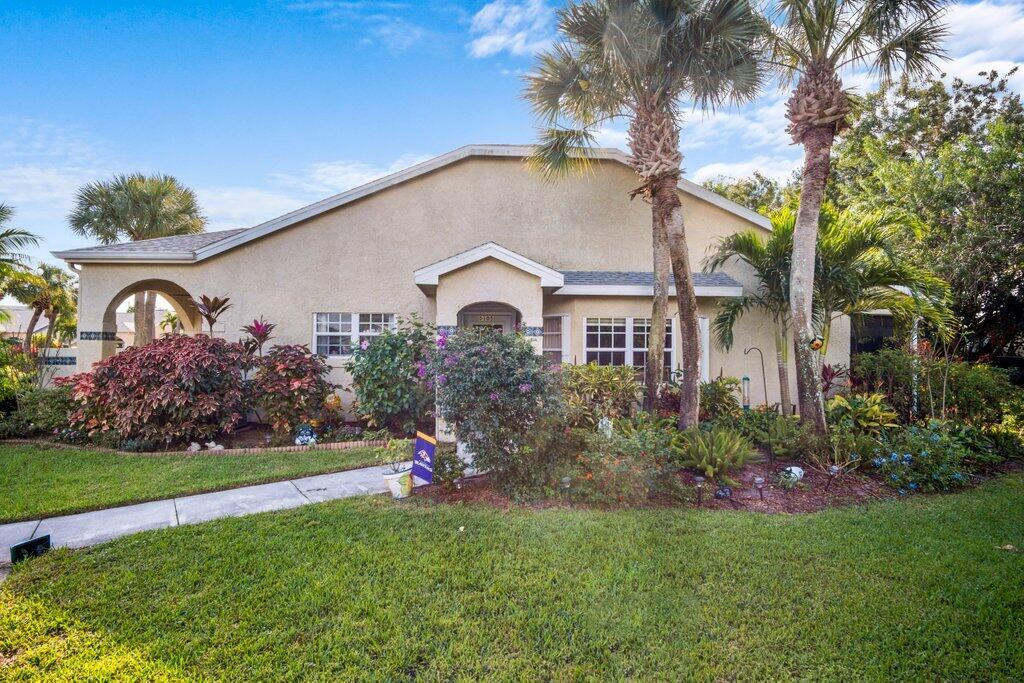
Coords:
pixel 137 207
pixel 770 261
pixel 170 321
pixel 858 270
pixel 638 59
pixel 49 293
pixel 812 41
pixel 12 261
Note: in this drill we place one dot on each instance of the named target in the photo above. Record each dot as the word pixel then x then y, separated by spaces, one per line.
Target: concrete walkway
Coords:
pixel 90 528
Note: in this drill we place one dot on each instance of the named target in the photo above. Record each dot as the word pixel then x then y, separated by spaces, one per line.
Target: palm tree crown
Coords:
pixel 135 207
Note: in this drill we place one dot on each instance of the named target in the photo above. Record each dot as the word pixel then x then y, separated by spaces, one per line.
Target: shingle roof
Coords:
pixel 177 243
pixel 620 277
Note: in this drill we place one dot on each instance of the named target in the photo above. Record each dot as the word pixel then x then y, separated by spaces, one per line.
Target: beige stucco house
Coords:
pixel 469 238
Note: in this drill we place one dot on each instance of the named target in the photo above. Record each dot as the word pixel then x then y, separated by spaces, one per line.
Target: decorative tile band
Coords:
pixel 86 335
pixel 58 360
pixel 533 331
pixel 447 329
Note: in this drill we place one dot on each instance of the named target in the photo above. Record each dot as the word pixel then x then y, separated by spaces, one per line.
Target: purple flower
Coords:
pixel 450 360
pixel 364 345
pixel 441 379
pixel 421 370
pixel 494 396
pixel 525 388
pixel 442 338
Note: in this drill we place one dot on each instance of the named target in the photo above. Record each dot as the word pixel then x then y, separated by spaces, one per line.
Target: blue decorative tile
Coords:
pixel 533 331
pixel 87 335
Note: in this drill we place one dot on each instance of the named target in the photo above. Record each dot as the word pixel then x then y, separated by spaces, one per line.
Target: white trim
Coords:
pixel 567 338
pixel 644 290
pixel 629 349
pixel 429 275
pixel 374 186
pixel 705 348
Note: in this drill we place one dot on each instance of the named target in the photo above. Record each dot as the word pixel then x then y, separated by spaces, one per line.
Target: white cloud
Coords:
pixel 761 124
pixel 519 28
pixel 608 136
pixel 984 36
pixel 242 207
pixel 382 22
pixel 777 167
pixel 331 177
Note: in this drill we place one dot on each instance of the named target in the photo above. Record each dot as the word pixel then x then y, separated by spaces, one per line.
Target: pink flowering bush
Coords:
pixel 494 390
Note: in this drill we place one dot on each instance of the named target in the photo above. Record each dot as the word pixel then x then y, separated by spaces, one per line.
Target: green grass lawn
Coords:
pixel 36 481
pixel 369 588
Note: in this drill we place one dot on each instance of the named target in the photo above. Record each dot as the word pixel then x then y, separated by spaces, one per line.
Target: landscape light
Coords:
pixel 759 484
pixel 700 488
pixel 833 472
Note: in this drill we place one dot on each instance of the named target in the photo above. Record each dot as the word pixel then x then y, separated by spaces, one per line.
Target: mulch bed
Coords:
pixel 809 496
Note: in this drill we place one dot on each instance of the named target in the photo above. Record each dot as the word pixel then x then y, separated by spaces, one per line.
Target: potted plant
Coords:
pixel 397 469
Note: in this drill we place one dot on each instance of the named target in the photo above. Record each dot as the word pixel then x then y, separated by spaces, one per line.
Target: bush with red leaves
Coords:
pixel 171 391
pixel 290 386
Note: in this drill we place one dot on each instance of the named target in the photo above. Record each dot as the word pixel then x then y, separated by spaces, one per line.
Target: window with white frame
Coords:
pixel 335 334
pixel 552 339
pixel 641 338
pixel 623 341
pixel 372 324
pixel 606 341
pixel 332 334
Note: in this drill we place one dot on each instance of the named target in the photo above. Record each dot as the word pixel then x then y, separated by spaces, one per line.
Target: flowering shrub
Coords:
pixel 172 390
pixel 290 387
pixel 492 389
pixel 594 391
pixel 388 377
pixel 922 459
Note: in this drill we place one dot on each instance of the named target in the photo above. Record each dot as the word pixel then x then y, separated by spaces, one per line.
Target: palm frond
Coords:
pixel 560 152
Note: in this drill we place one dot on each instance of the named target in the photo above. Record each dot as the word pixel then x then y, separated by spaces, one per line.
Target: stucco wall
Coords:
pixel 360 258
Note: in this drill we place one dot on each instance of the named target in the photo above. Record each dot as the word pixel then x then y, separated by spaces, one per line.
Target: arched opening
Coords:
pixel 490 315
pixel 174 312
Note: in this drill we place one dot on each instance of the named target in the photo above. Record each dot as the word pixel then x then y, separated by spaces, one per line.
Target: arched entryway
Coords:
pixel 101 339
pixel 490 315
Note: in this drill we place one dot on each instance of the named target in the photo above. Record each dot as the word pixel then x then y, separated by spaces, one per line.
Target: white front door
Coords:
pixel 493 321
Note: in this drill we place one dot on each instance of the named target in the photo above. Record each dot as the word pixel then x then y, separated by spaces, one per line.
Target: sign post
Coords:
pixel 423 458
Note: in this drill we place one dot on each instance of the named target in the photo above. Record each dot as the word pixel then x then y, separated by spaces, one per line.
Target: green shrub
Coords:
pixel 493 389
pixel 41 411
pixel 922 458
pixel 290 387
pixel 388 377
pixel 593 391
pixel 976 392
pixel 449 468
pixel 890 371
pixel 720 398
pixel 860 413
pixel 17 374
pixel 714 452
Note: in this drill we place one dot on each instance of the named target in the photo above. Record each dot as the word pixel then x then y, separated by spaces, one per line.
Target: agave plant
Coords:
pixel 211 308
pixel 259 332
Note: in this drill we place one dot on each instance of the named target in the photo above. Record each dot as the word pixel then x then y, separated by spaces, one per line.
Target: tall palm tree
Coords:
pixel 12 260
pixel 638 60
pixel 770 260
pixel 812 42
pixel 49 292
pixel 137 207
pixel 62 299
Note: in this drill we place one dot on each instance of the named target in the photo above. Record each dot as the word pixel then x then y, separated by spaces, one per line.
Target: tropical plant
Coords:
pixel 175 390
pixel 259 332
pixel 136 207
pixel 720 398
pixel 812 42
pixel 290 387
pixel 922 458
pixel 50 293
pixel 592 392
pixel 12 260
pixel 211 309
pixel 637 59
pixel 170 322
pixel 861 413
pixel 713 452
pixel 492 390
pixel 389 376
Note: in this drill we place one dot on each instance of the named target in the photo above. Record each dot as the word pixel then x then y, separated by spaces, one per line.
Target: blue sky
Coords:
pixel 265 106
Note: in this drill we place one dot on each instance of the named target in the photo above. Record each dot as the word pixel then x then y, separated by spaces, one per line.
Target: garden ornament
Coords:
pixel 604 425
pixel 193 447
pixel 723 492
pixel 305 436
pixel 816 343
pixel 214 446
pixel 793 472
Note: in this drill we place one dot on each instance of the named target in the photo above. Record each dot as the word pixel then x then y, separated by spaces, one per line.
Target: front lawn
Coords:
pixel 916 588
pixel 37 481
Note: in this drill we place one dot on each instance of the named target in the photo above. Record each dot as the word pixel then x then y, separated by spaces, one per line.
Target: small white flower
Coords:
pixel 461 529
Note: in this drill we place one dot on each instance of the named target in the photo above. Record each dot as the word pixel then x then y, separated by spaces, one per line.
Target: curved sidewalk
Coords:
pixel 90 528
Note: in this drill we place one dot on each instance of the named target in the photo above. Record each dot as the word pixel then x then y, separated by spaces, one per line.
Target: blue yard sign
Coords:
pixel 423 457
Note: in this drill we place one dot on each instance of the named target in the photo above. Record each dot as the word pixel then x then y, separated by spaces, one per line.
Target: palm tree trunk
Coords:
pixel 817 147
pixel 30 330
pixel 151 315
pixel 782 358
pixel 52 316
pixel 666 204
pixel 659 308
pixel 139 318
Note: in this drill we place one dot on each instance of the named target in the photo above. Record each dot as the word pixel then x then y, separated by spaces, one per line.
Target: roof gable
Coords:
pixel 429 275
pixel 229 239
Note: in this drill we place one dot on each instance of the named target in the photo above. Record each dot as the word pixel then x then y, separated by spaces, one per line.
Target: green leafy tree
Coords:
pixel 637 60
pixel 952 155
pixel 50 292
pixel 757 192
pixel 137 207
pixel 811 42
pixel 12 260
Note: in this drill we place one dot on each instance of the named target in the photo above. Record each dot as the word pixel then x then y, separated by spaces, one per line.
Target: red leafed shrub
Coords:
pixel 175 389
pixel 290 386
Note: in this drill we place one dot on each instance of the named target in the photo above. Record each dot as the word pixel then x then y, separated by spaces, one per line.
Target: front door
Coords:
pixel 503 322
